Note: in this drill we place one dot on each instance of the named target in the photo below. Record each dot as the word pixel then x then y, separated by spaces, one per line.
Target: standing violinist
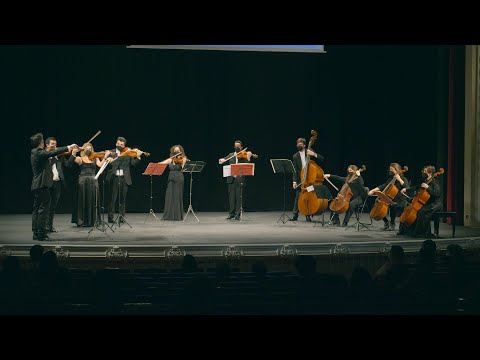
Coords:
pixel 119 177
pixel 299 162
pixel 86 209
pixel 422 227
pixel 235 182
pixel 173 209
pixel 358 191
pixel 400 200
pixel 42 181
pixel 57 162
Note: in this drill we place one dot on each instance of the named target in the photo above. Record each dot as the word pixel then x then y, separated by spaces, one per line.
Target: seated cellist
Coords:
pixel 422 227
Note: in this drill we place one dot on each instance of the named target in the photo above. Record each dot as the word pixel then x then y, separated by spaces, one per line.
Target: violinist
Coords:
pixel 422 227
pixel 42 181
pixel 299 162
pixel 174 194
pixel 57 162
pixel 85 201
pixel 236 182
pixel 400 200
pixel 119 177
pixel 359 192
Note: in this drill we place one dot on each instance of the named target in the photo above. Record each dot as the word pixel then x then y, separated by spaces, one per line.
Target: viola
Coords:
pixel 410 213
pixel 312 174
pixel 341 203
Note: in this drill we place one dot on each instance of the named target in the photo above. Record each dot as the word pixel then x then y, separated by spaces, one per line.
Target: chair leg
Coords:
pixel 453 226
pixel 436 226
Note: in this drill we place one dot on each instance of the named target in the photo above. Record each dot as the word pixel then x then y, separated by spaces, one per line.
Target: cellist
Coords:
pixel 400 200
pixel 422 227
pixel 359 192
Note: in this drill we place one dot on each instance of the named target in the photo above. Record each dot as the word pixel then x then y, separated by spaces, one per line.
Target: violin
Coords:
pixel 96 155
pixel 242 154
pixel 132 152
pixel 409 215
pixel 341 203
pixel 385 198
pixel 179 159
pixel 312 174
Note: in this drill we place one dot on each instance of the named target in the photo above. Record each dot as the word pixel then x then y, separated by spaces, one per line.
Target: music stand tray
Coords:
pixel 192 167
pixel 153 169
pixel 284 166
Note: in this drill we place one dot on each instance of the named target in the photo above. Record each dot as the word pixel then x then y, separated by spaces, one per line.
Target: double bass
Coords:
pixel 385 198
pixel 312 174
pixel 341 203
pixel 409 215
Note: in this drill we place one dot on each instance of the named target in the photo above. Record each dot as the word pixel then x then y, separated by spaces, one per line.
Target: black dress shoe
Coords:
pixel 43 237
pixel 344 224
pixel 392 225
pixel 110 220
pixel 386 227
pixel 295 218
pixel 308 218
pixel 237 217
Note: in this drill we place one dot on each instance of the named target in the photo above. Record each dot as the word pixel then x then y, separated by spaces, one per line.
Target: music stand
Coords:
pixel 242 170
pixel 358 213
pixel 100 223
pixel 192 167
pixel 152 169
pixel 283 166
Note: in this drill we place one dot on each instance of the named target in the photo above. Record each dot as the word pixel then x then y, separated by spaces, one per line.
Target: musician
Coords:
pixel 174 195
pixel 119 178
pixel 86 209
pixel 57 163
pixel 422 227
pixel 235 182
pixel 299 162
pixel 359 192
pixel 400 200
pixel 42 181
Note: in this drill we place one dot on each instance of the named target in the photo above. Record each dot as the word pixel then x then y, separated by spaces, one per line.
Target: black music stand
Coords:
pixel 284 166
pixel 192 167
pixel 152 169
pixel 100 223
pixel 242 169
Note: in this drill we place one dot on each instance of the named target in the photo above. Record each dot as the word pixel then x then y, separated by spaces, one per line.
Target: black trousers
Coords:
pixel 55 193
pixel 116 183
pixel 41 206
pixel 295 202
pixel 354 203
pixel 234 195
pixel 395 211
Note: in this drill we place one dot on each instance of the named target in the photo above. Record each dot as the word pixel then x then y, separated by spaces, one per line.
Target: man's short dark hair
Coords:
pixel 36 252
pixel 238 141
pixel 122 139
pixel 302 140
pixel 36 139
pixel 48 140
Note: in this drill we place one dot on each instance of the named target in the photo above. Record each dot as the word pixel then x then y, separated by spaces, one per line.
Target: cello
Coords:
pixel 385 198
pixel 341 203
pixel 312 174
pixel 409 215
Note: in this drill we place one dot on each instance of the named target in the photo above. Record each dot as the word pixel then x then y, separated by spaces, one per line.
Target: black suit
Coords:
pixel 297 164
pixel 42 181
pixel 235 191
pixel 119 183
pixel 56 189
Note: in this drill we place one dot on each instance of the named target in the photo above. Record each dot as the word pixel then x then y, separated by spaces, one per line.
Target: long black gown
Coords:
pixel 174 195
pixel 87 189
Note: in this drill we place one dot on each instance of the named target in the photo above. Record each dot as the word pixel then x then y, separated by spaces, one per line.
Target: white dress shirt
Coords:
pixel 119 171
pixel 54 170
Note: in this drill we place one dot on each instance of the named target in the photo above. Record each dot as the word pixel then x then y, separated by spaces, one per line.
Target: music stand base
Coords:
pixel 190 208
pixel 282 218
pixel 322 222
pixel 153 214
pixel 118 223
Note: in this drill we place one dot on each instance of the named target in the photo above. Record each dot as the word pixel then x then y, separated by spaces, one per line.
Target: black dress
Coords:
pixel 87 189
pixel 174 195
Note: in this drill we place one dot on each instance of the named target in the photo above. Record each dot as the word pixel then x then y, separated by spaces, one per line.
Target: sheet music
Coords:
pixel 227 171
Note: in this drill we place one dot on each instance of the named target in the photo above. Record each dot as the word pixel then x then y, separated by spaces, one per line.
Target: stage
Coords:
pixel 258 234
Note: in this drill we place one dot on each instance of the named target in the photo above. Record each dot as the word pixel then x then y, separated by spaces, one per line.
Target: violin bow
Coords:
pixel 235 154
pixel 94 136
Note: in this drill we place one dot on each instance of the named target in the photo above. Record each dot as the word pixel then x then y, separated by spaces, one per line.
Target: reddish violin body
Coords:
pixel 410 213
pixel 382 204
pixel 312 174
